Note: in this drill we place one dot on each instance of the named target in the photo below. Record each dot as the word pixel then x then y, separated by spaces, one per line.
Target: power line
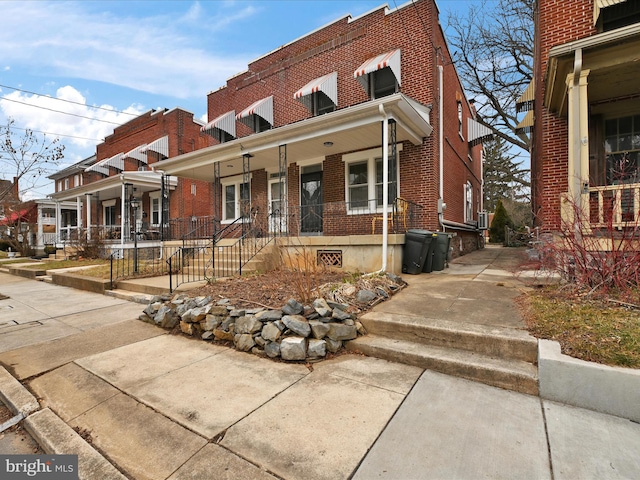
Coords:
pixel 58 111
pixel 58 134
pixel 70 101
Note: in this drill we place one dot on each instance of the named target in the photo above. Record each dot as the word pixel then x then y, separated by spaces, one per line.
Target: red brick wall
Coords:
pixel 557 22
pixel 343 46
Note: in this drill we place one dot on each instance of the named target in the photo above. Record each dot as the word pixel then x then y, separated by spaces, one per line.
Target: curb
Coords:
pixel 52 433
pixel 15 396
pixel 56 437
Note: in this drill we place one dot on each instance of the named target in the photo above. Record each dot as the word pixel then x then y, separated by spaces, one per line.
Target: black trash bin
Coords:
pixel 416 250
pixel 440 251
pixel 428 264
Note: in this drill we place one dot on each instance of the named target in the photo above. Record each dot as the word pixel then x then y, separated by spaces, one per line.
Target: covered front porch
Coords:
pixel 593 83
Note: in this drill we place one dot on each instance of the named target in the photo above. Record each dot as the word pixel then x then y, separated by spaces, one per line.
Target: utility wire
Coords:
pixel 58 111
pixel 70 101
pixel 57 134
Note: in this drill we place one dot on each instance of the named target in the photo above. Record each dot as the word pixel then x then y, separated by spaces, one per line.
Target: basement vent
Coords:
pixel 330 258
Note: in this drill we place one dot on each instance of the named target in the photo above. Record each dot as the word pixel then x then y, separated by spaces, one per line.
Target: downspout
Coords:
pixel 441 204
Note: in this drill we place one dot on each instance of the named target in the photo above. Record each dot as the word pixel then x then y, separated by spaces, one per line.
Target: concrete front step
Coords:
pixel 497 342
pixel 513 375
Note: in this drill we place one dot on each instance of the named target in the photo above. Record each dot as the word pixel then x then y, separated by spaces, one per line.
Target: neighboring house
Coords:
pixel 98 191
pixel 584 114
pixel 362 120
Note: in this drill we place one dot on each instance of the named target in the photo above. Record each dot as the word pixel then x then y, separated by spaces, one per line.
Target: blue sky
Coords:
pixel 128 57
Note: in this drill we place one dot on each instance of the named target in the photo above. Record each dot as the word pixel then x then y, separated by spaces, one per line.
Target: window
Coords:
pixel 620 15
pixel 364 175
pixel 235 200
pixel 110 215
pixel 59 185
pixel 460 118
pixel 154 199
pixel 622 149
pixel 322 104
pixel 382 83
pixel 260 124
pixel 468 202
pixel 66 184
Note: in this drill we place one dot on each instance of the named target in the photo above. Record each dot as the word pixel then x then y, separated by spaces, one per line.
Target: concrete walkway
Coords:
pixel 158 406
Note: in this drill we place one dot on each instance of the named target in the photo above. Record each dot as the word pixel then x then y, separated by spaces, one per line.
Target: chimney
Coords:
pixel 16 191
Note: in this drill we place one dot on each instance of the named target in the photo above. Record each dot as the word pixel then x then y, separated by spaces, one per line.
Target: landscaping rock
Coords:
pixel 269 315
pixel 316 348
pixel 293 348
pixel 293 307
pixel 187 328
pixel 223 335
pixel 321 307
pixel 244 342
pixel 338 331
pixel 237 313
pixel 272 349
pixel 333 345
pixel 365 296
pixel 297 324
pixel 318 329
pixel 340 315
pixel 211 322
pixel 208 335
pixel 219 310
pixel 271 332
pixel 247 324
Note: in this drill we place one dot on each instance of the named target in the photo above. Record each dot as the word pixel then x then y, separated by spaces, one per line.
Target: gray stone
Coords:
pixel 261 342
pixel 219 310
pixel 293 307
pixel 227 322
pixel 297 324
pixel 321 306
pixel 334 305
pixel 316 348
pixel 272 349
pixel 365 296
pixel 165 317
pixel 195 315
pixel 349 290
pixel 208 335
pixel 293 348
pixel 269 315
pixel 271 332
pixel 211 322
pixel 202 301
pixel 158 299
pixel 237 313
pixel 333 345
pixel 318 329
pixel 257 351
pixel 152 309
pixel 349 321
pixel 243 342
pixel 254 311
pixel 247 324
pixel 223 335
pixel 222 301
pixel 395 278
pixel 339 331
pixel 280 325
pixel 340 315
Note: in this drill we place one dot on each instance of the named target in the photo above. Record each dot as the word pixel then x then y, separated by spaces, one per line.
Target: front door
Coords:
pixel 277 202
pixel 311 203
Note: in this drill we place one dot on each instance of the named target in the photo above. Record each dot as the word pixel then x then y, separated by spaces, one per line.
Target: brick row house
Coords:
pixel 340 141
pixel 584 115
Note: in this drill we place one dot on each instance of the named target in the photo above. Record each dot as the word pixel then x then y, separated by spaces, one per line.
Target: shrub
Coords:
pixel 500 220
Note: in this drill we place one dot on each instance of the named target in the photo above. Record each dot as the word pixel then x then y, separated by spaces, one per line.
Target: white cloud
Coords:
pixel 84 124
pixel 150 54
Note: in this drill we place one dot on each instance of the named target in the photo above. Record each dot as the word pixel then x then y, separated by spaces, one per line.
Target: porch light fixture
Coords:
pixel 328 144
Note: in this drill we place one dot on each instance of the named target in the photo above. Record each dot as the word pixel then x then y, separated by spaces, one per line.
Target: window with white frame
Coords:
pixel 59 185
pixel 235 199
pixel 66 184
pixel 109 212
pixel 460 118
pixel 154 199
pixel 468 202
pixel 364 181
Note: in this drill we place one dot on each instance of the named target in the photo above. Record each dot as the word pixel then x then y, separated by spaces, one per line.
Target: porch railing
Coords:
pixel 617 206
pixel 139 262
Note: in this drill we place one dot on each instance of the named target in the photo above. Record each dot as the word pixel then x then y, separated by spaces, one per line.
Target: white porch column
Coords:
pixel 58 219
pixel 578 112
pixel 122 213
pixel 88 216
pixel 78 214
pixel 40 236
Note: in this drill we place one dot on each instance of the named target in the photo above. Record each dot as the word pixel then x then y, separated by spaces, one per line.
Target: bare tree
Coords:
pixel 26 157
pixel 493 52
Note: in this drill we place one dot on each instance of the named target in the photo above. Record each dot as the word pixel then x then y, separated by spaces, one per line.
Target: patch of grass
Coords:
pixel 54 265
pixel 18 260
pixel 588 329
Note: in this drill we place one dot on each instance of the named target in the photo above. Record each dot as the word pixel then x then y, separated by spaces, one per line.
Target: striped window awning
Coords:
pixel 525 102
pixel 160 146
pixel 600 4
pixel 138 153
pixel 225 122
pixel 327 84
pixel 389 59
pixel 478 133
pixel 99 167
pixel 263 108
pixel 526 124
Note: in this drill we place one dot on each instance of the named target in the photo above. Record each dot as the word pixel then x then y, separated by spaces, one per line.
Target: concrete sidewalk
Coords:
pixel 158 406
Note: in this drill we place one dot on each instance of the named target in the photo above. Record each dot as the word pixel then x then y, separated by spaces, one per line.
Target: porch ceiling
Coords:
pixel 353 128
pixel 613 61
pixel 111 187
